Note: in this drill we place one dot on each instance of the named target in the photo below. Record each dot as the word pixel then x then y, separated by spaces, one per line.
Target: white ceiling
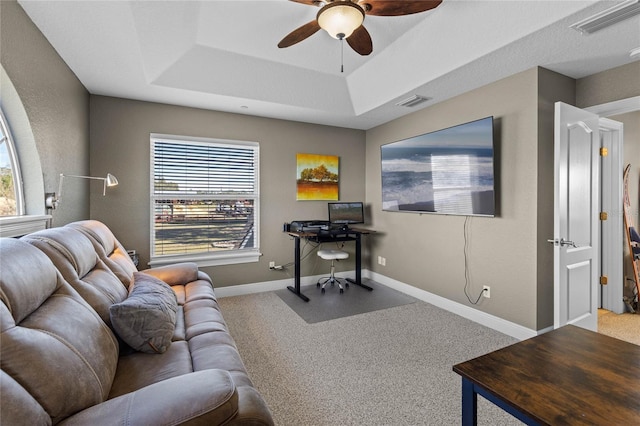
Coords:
pixel 223 55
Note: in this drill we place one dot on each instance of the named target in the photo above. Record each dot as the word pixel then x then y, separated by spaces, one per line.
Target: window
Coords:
pixel 21 195
pixel 204 200
pixel 10 182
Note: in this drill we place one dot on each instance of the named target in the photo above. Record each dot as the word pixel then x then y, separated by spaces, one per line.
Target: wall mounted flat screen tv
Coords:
pixel 449 171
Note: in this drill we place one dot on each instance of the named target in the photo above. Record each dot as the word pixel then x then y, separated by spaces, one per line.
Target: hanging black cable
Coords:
pixel 467 274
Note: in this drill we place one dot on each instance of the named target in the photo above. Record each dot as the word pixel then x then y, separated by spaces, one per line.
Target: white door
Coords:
pixel 576 217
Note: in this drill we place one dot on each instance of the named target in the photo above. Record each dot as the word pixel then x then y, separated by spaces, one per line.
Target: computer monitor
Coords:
pixel 343 213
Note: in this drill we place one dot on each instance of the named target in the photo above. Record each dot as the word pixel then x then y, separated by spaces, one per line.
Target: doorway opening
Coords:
pixel 614 318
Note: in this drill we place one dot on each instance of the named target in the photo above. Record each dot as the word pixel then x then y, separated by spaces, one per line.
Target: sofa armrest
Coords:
pixel 202 397
pixel 178 273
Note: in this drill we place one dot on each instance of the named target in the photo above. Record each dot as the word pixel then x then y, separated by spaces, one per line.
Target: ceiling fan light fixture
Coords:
pixel 340 18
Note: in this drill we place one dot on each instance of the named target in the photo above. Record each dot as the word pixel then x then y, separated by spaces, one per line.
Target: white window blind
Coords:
pixel 205 200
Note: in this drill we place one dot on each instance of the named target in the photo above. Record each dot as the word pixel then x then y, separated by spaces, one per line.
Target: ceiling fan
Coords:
pixel 343 19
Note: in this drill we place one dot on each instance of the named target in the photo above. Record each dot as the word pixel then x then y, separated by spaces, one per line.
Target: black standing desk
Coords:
pixel 352 234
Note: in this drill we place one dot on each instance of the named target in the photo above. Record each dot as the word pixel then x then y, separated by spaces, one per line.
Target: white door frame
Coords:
pixel 612 241
pixel 611 230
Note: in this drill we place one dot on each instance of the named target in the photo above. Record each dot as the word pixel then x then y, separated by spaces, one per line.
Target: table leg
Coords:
pixel 476 390
pixel 358 280
pixel 296 280
pixel 469 404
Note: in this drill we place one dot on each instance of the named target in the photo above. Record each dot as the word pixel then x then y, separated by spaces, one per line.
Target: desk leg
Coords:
pixel 469 404
pixel 296 256
pixel 358 280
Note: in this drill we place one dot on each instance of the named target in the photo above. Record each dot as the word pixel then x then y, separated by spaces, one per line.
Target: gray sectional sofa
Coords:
pixel 86 339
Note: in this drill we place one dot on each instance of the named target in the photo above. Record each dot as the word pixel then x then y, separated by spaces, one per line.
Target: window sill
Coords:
pixel 17 226
pixel 203 260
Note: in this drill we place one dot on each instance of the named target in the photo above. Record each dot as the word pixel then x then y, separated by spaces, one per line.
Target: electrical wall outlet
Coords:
pixel 486 291
pixel 272 265
pixel 382 261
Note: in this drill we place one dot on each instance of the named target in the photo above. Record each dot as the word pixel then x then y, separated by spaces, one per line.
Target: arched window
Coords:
pixel 11 197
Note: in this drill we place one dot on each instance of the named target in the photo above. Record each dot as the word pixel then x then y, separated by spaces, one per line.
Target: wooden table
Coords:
pixel 568 376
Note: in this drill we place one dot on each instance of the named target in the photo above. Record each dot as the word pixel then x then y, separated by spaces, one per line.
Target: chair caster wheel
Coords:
pixel 317 284
pixel 346 285
pixel 341 291
pixel 322 291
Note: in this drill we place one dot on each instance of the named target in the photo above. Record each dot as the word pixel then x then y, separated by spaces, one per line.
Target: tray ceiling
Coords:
pixel 223 55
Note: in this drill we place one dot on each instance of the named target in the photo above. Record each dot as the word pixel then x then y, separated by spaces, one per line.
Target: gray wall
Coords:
pixel 607 86
pixel 57 114
pixel 505 252
pixel 120 144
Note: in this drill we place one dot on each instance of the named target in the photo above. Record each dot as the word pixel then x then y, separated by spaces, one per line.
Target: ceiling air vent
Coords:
pixel 413 101
pixel 608 17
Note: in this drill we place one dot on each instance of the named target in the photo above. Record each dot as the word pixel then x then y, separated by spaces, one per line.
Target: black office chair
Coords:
pixel 332 255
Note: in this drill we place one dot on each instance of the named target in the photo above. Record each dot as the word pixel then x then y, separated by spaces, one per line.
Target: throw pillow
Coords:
pixel 146 319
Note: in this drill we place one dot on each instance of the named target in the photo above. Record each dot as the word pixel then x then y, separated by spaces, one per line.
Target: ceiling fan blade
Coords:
pixel 309 2
pixel 398 8
pixel 299 34
pixel 360 41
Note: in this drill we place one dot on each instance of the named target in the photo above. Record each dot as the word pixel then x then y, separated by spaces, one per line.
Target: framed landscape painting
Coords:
pixel 317 177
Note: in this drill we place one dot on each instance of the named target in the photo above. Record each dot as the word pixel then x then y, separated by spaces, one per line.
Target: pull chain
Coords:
pixel 342 55
pixel 341 38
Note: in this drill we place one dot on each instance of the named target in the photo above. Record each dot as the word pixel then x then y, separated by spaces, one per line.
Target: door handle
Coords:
pixel 562 242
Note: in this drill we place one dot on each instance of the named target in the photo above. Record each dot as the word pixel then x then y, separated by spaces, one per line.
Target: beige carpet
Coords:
pixel 387 367
pixel 621 326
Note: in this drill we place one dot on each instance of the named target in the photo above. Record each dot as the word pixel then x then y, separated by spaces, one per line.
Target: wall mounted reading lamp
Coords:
pixel 52 199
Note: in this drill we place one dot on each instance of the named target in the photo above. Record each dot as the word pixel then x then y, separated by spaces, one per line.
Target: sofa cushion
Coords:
pixel 54 345
pixel 108 248
pixel 19 407
pixel 74 256
pixel 140 369
pixel 147 318
pixel 176 274
pixel 202 398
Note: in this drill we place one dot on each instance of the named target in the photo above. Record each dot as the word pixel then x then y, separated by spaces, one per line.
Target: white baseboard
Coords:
pixel 506 327
pixel 496 323
pixel 240 290
pixel 243 289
